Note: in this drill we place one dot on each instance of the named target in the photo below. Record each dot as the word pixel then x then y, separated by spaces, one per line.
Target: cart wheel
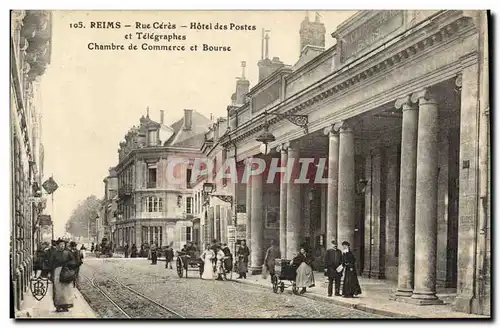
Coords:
pixel 274 281
pixel 179 267
pixel 295 290
pixel 282 287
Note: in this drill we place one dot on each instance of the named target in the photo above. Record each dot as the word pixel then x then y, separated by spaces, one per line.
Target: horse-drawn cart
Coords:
pixel 188 262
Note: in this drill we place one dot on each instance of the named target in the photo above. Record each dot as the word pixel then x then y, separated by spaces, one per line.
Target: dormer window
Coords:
pixel 152 138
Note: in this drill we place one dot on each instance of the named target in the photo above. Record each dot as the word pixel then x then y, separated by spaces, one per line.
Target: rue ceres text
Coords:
pixel 167 26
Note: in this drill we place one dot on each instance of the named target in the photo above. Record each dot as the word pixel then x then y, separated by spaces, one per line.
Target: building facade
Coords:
pixel 108 211
pixel 216 210
pixel 30 47
pixel 151 206
pixel 394 123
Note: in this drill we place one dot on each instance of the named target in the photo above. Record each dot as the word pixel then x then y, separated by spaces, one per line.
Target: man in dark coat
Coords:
pixel 169 257
pixel 77 259
pixel 333 260
pixel 154 255
pixel 272 253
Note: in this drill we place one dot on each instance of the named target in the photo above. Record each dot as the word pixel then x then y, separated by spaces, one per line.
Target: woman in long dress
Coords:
pixel 208 267
pixel 243 254
pixel 63 293
pixel 305 276
pixel 351 286
pixel 219 269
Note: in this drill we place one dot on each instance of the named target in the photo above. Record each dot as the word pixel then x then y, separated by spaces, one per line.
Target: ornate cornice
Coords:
pixel 352 74
pixel 36 41
pixel 17 18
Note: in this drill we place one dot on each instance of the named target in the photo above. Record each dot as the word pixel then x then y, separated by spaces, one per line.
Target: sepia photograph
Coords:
pixel 246 164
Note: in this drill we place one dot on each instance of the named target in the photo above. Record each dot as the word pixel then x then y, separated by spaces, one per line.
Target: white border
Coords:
pixel 185 4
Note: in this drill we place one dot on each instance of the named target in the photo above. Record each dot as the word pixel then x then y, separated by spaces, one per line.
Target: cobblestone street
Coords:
pixel 191 297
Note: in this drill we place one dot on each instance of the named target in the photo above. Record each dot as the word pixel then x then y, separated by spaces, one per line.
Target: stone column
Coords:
pixel 408 172
pixel 249 211
pixel 391 210
pixel 424 291
pixel 294 208
pixel 333 185
pixel 467 299
pixel 283 149
pixel 346 183
pixel 257 237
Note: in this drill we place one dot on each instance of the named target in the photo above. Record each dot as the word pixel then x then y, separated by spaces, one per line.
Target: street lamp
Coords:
pixel 208 188
pixel 265 138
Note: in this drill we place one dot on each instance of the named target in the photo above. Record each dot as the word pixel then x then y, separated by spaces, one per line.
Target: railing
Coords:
pixel 125 190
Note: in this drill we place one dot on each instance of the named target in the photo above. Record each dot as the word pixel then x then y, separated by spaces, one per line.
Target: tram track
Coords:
pixel 122 301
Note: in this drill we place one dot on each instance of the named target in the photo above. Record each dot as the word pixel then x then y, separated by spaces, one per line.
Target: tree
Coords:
pixel 86 212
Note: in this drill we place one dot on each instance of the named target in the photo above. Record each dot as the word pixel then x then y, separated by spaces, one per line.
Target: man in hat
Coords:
pixel 77 256
pixel 154 248
pixel 333 268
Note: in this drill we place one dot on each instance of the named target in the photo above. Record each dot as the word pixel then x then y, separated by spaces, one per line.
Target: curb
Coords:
pixel 360 306
pixel 82 299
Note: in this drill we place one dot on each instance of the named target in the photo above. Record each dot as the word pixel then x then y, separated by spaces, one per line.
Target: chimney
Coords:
pixel 188 119
pixel 242 87
pixel 312 33
pixel 266 65
pixel 162 116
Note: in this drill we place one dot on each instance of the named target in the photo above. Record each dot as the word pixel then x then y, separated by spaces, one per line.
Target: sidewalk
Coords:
pixel 377 298
pixel 44 309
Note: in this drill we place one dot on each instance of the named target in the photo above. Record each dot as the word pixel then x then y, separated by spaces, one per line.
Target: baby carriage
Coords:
pixel 284 271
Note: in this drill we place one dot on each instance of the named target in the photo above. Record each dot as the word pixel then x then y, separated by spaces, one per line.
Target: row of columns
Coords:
pixel 418 194
pixel 340 212
pixel 418 197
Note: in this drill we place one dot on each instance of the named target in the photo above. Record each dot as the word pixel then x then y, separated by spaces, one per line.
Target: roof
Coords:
pixel 192 138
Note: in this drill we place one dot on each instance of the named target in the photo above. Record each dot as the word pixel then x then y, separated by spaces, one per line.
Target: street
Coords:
pixel 133 288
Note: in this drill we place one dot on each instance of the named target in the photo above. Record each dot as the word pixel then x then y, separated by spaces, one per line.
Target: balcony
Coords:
pixel 125 190
pixel 151 184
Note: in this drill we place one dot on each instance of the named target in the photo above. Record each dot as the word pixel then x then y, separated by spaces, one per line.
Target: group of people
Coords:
pixel 130 251
pixel 60 262
pixel 217 260
pixel 341 263
pixel 338 264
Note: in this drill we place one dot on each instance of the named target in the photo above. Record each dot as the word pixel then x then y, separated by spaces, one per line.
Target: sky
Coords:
pixel 89 99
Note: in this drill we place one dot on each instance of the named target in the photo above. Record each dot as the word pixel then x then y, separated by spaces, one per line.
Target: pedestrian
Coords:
pixel 63 276
pixel 305 275
pixel 272 253
pixel 243 254
pixel 219 268
pixel 133 251
pixel 228 258
pixel 77 256
pixel 333 268
pixel 351 286
pixel 126 250
pixel 92 247
pixel 169 257
pixel 208 266
pixel 39 259
pixel 154 255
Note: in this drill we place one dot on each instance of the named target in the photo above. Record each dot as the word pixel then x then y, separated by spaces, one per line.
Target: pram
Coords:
pixel 284 271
